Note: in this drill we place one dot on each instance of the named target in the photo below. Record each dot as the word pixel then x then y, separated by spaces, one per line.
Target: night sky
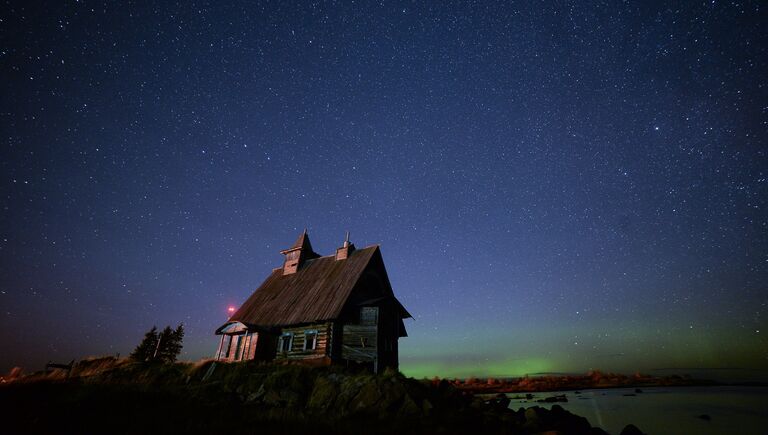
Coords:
pixel 555 187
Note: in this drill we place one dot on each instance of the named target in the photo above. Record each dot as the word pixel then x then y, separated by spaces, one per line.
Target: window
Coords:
pixel 286 342
pixel 310 339
pixel 227 345
pixel 238 346
pixel 369 315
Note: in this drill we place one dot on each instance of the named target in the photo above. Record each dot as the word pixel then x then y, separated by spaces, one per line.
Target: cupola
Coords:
pixel 296 255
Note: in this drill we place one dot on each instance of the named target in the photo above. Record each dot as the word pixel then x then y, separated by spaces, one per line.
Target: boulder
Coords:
pixel 409 409
pixel 324 393
pixel 392 395
pixel 426 407
pixel 500 401
pixel 366 398
pixel 553 399
pixel 631 429
pixel 534 418
pixel 257 395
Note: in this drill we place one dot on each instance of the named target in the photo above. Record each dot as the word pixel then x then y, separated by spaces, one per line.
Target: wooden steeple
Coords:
pixel 296 255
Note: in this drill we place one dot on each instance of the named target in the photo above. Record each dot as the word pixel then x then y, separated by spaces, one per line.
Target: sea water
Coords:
pixel 667 410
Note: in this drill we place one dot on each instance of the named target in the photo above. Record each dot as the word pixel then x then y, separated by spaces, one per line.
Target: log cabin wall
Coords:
pixel 298 334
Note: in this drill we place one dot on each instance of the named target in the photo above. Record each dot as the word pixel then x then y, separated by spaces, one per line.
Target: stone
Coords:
pixel 367 397
pixel 323 394
pixel 631 429
pixel 409 408
pixel 552 399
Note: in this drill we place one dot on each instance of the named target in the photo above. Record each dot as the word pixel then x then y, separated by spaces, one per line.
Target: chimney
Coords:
pixel 345 250
pixel 296 255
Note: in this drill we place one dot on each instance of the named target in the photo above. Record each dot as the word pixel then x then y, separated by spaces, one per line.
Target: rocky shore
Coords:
pixel 114 396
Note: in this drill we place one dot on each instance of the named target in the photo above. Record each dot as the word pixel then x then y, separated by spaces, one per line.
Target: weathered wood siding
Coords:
pixel 297 349
pixel 360 342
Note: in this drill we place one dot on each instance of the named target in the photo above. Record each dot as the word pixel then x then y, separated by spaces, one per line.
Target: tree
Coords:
pixel 170 344
pixel 161 347
pixel 145 351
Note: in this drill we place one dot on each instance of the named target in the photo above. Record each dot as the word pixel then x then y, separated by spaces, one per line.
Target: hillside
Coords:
pixel 118 396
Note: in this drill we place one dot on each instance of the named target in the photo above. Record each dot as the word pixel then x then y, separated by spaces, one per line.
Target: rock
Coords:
pixel 348 389
pixel 477 403
pixel 256 396
pixel 392 396
pixel 704 417
pixel 323 394
pixel 367 398
pixel 533 418
pixel 553 399
pixel 529 396
pixel 638 391
pixel 499 402
pixel 563 420
pixel 426 407
pixel 409 408
pixel 631 429
pixel 272 398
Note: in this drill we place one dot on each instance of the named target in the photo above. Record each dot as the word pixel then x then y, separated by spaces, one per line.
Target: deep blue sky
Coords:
pixel 555 187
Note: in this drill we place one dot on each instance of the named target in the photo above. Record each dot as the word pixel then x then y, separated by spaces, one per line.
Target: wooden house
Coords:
pixel 334 309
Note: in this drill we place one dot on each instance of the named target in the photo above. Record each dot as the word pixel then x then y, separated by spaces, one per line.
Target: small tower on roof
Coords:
pixel 296 255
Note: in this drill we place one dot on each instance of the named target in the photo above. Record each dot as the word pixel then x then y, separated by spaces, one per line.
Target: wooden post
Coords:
pixel 245 346
pixel 218 351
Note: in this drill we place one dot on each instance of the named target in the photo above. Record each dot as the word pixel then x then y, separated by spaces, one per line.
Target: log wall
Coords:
pixel 297 352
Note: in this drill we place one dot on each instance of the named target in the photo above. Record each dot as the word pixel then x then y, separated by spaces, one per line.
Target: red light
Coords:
pixel 231 310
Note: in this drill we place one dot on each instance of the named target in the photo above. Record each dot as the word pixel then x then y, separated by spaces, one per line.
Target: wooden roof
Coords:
pixel 317 291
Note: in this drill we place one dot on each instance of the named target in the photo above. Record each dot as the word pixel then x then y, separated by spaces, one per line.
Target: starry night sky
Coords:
pixel 555 187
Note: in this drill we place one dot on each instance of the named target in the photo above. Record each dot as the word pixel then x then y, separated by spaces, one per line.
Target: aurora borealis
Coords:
pixel 555 187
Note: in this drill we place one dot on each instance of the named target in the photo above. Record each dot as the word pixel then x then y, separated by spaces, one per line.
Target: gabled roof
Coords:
pixel 318 291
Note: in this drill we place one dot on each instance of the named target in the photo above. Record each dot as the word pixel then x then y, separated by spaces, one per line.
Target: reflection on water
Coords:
pixel 668 410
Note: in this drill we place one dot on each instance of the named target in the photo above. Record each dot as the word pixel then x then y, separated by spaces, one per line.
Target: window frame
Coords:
pixel 372 319
pixel 281 347
pixel 313 333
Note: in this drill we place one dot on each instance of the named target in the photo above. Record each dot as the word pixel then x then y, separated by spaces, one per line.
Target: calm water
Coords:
pixel 658 411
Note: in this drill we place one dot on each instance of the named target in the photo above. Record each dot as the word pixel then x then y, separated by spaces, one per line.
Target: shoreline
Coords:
pixel 590 381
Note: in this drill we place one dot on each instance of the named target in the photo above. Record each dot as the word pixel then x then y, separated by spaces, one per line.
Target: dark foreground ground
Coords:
pixel 120 397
